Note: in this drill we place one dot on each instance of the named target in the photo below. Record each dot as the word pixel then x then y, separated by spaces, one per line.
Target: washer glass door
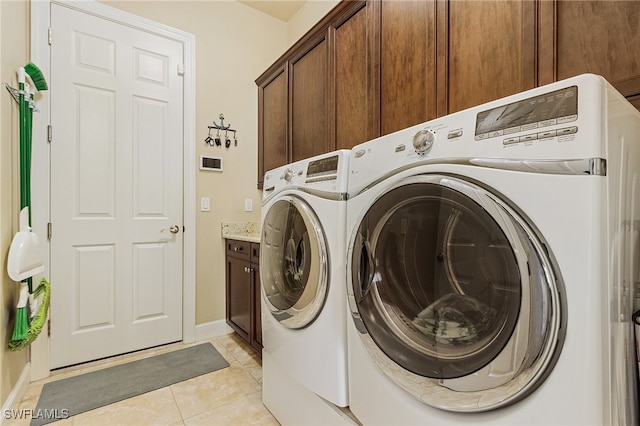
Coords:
pixel 293 262
pixel 452 286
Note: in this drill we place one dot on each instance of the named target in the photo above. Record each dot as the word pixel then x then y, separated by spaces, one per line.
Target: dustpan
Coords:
pixel 25 254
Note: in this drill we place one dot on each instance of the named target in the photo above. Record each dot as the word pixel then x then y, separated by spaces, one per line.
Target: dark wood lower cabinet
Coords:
pixel 243 291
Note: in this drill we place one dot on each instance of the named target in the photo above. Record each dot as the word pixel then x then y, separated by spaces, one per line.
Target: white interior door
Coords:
pixel 116 188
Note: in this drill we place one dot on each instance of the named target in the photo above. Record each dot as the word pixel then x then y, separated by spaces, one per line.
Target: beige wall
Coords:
pixel 308 15
pixel 14 51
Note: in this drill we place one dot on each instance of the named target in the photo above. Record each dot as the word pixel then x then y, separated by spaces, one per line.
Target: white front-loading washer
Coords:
pixel 303 280
pixel 491 263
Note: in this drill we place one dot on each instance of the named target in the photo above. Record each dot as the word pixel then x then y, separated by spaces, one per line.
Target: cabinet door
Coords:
pixel 407 64
pixel 599 37
pixel 486 50
pixel 239 296
pixel 354 110
pixel 309 100
pixel 272 123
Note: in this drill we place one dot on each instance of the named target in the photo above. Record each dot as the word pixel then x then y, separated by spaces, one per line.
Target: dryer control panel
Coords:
pixel 323 169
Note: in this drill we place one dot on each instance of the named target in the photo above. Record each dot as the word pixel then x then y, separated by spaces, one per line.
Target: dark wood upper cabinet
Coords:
pixel 352 92
pixel 308 79
pixel 318 96
pixel 272 122
pixel 372 67
pixel 407 64
pixel 486 51
pixel 599 37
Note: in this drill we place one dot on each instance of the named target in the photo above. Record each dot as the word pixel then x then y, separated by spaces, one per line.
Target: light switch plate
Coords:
pixel 248 205
pixel 205 204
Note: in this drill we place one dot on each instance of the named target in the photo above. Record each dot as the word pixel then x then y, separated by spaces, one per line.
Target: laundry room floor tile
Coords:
pixel 232 395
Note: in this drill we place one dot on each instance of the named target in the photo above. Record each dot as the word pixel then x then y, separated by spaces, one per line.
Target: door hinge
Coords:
pixel 180 69
pixel 49 231
pixel 49 36
pixel 49 133
pixel 49 328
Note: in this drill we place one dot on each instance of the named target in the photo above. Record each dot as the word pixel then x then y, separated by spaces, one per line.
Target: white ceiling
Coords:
pixel 281 9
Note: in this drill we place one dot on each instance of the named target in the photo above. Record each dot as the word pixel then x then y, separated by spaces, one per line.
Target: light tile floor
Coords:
pixel 230 396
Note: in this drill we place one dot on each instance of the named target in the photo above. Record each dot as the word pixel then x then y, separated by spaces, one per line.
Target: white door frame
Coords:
pixel 40 193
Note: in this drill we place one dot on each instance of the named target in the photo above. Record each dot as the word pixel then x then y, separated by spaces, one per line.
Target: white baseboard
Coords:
pixel 212 329
pixel 14 398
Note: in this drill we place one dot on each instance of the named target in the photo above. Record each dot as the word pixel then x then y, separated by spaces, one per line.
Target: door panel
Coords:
pixel 116 188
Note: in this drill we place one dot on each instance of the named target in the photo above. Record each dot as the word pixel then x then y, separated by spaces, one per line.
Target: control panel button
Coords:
pixel 547 123
pixel 529 137
pixel 567 131
pixel 510 130
pixel 509 141
pixel 567 119
pixel 547 134
pixel 529 126
pixel 454 134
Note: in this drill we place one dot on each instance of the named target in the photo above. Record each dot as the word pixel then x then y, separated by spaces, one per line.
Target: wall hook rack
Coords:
pixel 15 94
pixel 221 126
pixel 226 129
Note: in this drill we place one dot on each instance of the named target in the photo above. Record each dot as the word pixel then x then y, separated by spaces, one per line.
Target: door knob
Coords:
pixel 174 229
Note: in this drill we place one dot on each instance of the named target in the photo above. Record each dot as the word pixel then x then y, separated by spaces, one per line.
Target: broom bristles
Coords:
pixel 21 327
pixel 36 76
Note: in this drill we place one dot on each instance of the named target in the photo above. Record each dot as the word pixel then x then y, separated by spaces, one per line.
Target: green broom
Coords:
pixel 21 326
pixel 26 104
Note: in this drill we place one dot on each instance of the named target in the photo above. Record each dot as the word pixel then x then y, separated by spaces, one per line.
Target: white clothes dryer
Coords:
pixel 303 279
pixel 491 263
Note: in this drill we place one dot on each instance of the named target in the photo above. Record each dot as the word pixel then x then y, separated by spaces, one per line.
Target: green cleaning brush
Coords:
pixel 21 327
pixel 36 76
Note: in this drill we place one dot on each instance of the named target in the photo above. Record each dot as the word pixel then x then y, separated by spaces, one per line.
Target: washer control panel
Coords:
pixel 535 116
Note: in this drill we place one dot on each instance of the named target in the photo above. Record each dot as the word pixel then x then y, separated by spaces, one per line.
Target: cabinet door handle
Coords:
pixel 237 248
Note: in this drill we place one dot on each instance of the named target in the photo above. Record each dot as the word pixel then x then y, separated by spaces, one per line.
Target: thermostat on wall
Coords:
pixel 210 163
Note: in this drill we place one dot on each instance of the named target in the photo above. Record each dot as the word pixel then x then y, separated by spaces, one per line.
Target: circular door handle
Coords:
pixel 174 229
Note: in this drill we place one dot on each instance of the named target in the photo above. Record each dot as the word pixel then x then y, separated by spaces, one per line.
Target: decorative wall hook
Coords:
pixel 217 140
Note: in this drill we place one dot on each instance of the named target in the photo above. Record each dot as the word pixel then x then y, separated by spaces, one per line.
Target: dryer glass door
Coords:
pixel 293 262
pixel 451 285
